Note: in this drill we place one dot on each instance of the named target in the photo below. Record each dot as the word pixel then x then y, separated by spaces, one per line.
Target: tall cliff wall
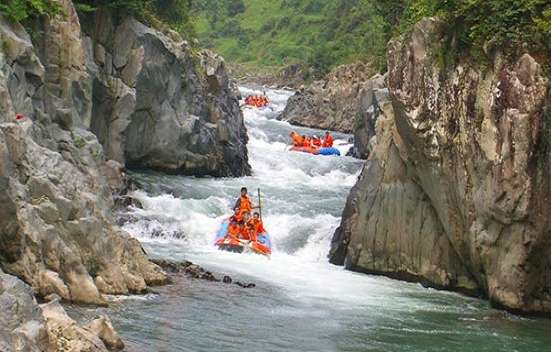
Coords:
pixel 158 106
pixel 457 192
pixel 56 230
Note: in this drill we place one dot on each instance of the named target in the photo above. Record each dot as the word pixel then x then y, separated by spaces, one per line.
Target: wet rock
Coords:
pixel 195 271
pixel 188 268
pixel 125 202
pixel 65 335
pixel 27 326
pixel 245 285
pixel 104 330
pixel 456 194
pixel 331 103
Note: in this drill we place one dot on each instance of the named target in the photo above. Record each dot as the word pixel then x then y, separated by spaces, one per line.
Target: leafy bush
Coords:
pixel 20 10
pixel 157 13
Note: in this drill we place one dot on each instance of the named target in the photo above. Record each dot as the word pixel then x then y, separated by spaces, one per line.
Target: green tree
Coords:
pixel 234 7
pixel 20 10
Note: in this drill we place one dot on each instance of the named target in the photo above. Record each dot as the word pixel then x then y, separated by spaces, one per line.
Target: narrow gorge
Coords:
pixel 125 142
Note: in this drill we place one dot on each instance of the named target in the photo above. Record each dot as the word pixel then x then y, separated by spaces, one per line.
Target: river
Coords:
pixel 300 301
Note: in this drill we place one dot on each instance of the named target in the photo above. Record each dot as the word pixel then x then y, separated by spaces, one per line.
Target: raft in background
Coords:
pixel 261 246
pixel 260 108
pixel 316 151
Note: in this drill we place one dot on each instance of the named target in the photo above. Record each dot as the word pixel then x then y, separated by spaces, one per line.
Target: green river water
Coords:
pixel 300 302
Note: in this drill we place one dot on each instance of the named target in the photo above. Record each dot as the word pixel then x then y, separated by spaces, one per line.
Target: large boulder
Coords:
pixel 457 192
pixel 27 326
pixel 56 229
pixel 158 106
pixel 331 103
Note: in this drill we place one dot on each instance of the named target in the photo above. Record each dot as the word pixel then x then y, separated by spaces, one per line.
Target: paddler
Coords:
pixel 296 139
pixel 251 234
pixel 257 223
pixel 237 216
pixel 328 140
pixel 244 203
pixel 233 229
pixel 316 142
pixel 242 231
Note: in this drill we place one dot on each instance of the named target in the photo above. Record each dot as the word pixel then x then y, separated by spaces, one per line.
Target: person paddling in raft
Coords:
pixel 295 139
pixel 256 223
pixel 328 140
pixel 234 229
pixel 244 203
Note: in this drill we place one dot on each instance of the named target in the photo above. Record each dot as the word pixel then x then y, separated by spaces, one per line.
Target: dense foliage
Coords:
pixel 158 13
pixel 326 33
pixel 20 10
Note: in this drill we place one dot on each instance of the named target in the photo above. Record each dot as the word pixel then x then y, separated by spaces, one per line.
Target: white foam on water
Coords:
pixel 303 196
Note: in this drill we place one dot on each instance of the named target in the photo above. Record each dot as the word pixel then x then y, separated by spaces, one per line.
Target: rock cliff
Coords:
pixel 374 100
pixel 457 192
pixel 158 106
pixel 330 103
pixel 56 229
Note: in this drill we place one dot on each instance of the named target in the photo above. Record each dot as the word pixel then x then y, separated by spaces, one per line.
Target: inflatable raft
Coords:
pixel 236 245
pixel 316 151
pixel 261 108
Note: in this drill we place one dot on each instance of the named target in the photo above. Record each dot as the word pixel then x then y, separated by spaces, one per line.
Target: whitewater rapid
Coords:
pixel 300 302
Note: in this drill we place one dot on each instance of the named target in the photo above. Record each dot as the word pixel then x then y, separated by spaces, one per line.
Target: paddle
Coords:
pixel 260 208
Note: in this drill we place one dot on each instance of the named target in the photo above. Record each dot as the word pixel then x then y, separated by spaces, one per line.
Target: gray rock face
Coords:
pixel 331 103
pixel 374 101
pixel 27 326
pixel 56 230
pixel 23 325
pixel 456 194
pixel 157 106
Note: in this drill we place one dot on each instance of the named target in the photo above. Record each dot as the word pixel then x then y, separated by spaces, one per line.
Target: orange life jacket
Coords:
pixel 238 217
pixel 258 224
pixel 316 142
pixel 233 231
pixel 328 141
pixel 297 139
pixel 245 205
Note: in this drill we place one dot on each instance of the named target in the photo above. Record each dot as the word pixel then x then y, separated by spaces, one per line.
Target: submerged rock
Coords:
pixel 331 103
pixel 456 194
pixel 195 271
